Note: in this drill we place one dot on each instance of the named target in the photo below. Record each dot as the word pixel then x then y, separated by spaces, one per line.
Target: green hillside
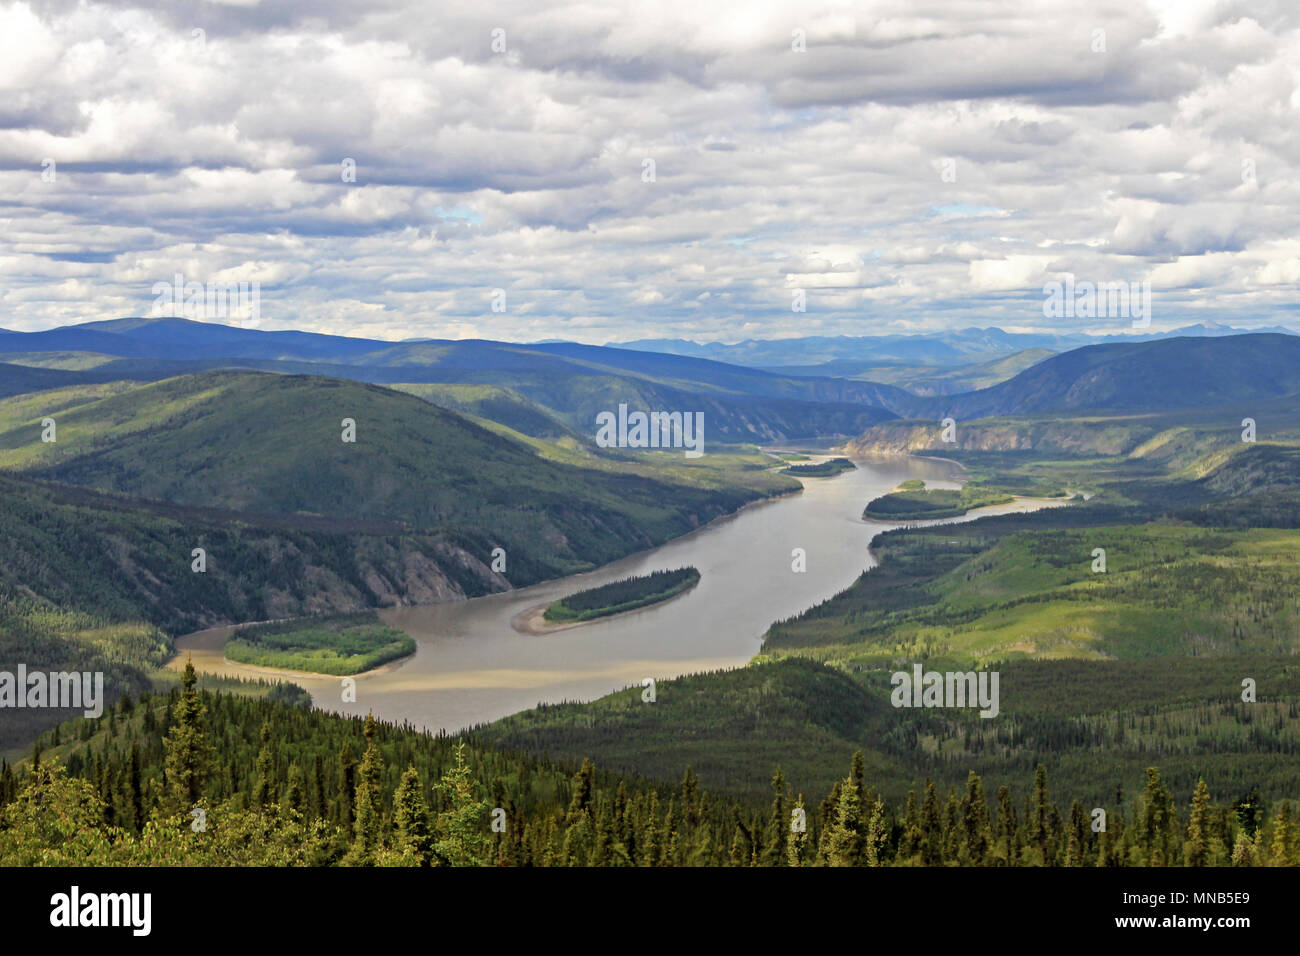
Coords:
pixel 272 444
pixel 1142 376
pixel 502 405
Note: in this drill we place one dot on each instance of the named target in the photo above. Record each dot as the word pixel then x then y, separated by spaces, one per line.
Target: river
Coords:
pixel 472 666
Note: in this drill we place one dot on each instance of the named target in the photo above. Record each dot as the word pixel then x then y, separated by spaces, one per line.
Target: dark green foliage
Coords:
pixel 821 469
pixel 625 595
pixel 919 504
pixel 92 811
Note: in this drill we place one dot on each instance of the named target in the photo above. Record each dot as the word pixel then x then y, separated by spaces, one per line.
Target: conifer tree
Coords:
pixel 583 786
pixel 189 748
pixel 1008 828
pixel 461 829
pixel 775 851
pixel 648 845
pixel 347 784
pixel 690 799
pixel 369 808
pixel 1041 818
pixel 1283 850
pixel 909 844
pixel 1076 838
pixel 135 791
pixel 1196 850
pixel 952 831
pixel 296 798
pixel 931 827
pixel 1158 822
pixel 977 827
pixel 264 788
pixel 798 840
pixel 672 855
pixel 845 844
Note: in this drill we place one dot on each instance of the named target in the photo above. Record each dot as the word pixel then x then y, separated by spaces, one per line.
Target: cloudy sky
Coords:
pixel 645 170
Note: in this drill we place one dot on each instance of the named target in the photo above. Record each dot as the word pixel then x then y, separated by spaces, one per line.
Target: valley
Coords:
pixel 1125 568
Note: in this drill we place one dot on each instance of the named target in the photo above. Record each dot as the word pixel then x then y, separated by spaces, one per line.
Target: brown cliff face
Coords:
pixel 1068 436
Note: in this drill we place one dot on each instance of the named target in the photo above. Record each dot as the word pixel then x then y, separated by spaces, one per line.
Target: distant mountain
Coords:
pixel 1169 373
pixel 927 380
pixel 572 382
pixel 17 379
pixel 957 347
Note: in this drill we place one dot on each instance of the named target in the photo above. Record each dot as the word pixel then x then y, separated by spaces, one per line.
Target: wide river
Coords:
pixel 472 666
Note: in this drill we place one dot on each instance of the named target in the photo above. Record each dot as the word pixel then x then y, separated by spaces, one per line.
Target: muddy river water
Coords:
pixel 471 665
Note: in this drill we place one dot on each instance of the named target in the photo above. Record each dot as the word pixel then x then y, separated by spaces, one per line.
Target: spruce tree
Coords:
pixel 931 827
pixel 1283 850
pixel 846 845
pixel 264 787
pixel 977 828
pixel 775 852
pixel 909 843
pixel 1196 850
pixel 411 816
pixel 369 808
pixel 798 840
pixel 189 748
pixel 1158 822
pixel 1008 828
pixel 462 828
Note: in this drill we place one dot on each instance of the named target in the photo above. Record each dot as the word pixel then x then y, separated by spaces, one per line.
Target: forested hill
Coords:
pixel 194 778
pixel 1141 376
pixel 100 529
pixel 266 444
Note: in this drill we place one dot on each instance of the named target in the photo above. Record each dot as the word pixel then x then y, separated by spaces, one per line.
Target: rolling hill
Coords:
pixel 1142 376
pixel 569 381
pixel 272 444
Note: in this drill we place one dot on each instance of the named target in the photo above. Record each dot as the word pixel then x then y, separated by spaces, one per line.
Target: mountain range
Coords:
pixel 957 347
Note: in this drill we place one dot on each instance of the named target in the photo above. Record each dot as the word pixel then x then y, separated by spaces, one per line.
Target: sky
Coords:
pixel 609 171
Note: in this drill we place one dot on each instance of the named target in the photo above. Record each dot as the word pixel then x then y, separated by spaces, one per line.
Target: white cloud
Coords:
pixel 925 163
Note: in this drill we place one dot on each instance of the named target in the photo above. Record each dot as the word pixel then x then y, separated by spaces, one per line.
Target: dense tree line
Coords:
pixel 187 780
pixel 624 595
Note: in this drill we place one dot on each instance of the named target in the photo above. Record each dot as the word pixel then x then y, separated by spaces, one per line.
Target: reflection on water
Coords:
pixel 471 666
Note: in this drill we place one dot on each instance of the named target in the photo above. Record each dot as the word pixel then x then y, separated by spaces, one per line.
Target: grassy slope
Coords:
pixel 502 405
pixel 348 644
